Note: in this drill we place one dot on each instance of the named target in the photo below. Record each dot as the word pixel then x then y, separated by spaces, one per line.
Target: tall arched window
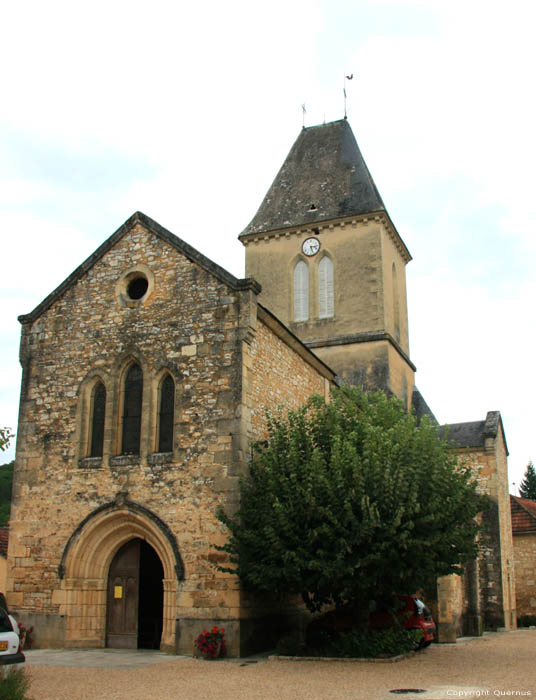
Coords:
pixel 132 398
pixel 396 304
pixel 325 288
pixel 301 291
pixel 166 415
pixel 98 411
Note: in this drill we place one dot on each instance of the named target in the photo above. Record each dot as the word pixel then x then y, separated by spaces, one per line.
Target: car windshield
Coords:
pixel 5 622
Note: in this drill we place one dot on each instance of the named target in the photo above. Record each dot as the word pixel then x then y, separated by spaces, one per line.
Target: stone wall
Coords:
pixel 277 375
pixel 188 324
pixel 525 570
pixel 71 511
pixel 485 599
pixel 362 341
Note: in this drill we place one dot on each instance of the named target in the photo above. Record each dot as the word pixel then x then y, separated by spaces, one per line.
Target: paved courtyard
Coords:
pixel 497 665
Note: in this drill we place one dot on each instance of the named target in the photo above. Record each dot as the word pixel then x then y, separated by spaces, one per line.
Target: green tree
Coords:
pixel 351 500
pixel 5 438
pixel 6 484
pixel 527 488
pixel 6 478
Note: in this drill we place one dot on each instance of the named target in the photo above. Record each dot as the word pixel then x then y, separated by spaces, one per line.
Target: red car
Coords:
pixel 409 611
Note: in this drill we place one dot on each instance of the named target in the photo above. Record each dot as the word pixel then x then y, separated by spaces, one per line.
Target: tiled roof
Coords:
pixel 523 515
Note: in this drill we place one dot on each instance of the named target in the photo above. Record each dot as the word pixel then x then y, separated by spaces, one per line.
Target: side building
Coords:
pixel 524 531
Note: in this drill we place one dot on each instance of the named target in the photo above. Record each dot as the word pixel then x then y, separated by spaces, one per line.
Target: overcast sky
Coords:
pixel 186 112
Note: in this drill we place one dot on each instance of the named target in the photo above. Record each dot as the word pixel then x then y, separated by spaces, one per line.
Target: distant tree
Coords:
pixel 527 488
pixel 5 438
pixel 6 478
pixel 350 500
pixel 6 483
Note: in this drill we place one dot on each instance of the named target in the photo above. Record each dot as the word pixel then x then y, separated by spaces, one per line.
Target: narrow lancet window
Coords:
pixel 325 288
pixel 132 400
pixel 396 304
pixel 301 291
pixel 166 415
pixel 98 411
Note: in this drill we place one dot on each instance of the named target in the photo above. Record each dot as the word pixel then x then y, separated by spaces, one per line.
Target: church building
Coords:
pixel 146 376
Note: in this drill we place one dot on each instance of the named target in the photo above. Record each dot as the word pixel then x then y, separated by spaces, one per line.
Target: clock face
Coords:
pixel 311 246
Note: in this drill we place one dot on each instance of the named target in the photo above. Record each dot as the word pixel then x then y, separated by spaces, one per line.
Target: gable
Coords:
pixel 163 234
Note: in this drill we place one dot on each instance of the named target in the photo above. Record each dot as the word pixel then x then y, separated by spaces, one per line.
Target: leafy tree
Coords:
pixel 527 488
pixel 5 438
pixel 6 483
pixel 351 500
pixel 6 478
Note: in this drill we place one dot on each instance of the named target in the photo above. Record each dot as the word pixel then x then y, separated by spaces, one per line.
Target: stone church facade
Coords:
pixel 147 374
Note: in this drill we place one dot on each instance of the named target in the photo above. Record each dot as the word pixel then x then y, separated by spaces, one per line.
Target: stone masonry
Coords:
pixel 523 513
pixel 72 512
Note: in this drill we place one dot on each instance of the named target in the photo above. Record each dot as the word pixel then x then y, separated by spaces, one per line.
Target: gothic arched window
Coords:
pixel 98 411
pixel 166 412
pixel 132 399
pixel 396 304
pixel 301 291
pixel 325 288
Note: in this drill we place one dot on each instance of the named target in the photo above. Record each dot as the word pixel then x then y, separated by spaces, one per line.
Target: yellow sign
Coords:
pixel 118 591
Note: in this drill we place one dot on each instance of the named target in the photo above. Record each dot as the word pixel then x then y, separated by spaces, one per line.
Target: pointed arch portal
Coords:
pixel 120 572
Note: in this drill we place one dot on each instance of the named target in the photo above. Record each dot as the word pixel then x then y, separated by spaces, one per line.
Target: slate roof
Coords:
pixel 420 406
pixel 474 433
pixel 323 177
pixel 523 515
pixel 187 250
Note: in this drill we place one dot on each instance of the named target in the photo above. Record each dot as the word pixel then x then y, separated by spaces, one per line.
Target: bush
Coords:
pixel 526 620
pixel 379 643
pixel 13 683
pixel 291 645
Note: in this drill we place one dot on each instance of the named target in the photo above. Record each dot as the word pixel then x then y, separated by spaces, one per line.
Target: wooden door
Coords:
pixel 123 594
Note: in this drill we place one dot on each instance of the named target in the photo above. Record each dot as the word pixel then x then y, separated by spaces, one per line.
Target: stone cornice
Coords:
pixel 381 217
pixel 367 337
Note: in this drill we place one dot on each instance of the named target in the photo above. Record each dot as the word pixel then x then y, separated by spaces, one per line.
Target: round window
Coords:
pixel 137 287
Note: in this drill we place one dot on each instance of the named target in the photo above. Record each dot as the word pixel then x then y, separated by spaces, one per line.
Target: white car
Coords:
pixel 10 648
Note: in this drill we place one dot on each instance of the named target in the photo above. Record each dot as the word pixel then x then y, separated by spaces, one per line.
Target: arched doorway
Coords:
pixel 85 567
pixel 135 596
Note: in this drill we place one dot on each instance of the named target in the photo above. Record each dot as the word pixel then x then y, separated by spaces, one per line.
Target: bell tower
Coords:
pixel 331 262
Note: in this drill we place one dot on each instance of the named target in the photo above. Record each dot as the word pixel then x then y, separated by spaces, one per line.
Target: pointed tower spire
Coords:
pixel 323 177
pixel 331 263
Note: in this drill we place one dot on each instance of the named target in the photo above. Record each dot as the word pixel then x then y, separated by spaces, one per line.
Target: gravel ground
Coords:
pixel 496 665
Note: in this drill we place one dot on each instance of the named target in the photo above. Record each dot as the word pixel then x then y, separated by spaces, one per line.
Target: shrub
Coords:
pixel 526 620
pixel 291 645
pixel 379 643
pixel 13 683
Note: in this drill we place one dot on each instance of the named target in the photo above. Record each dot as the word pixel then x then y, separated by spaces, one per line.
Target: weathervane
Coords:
pixel 346 77
pixel 303 116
